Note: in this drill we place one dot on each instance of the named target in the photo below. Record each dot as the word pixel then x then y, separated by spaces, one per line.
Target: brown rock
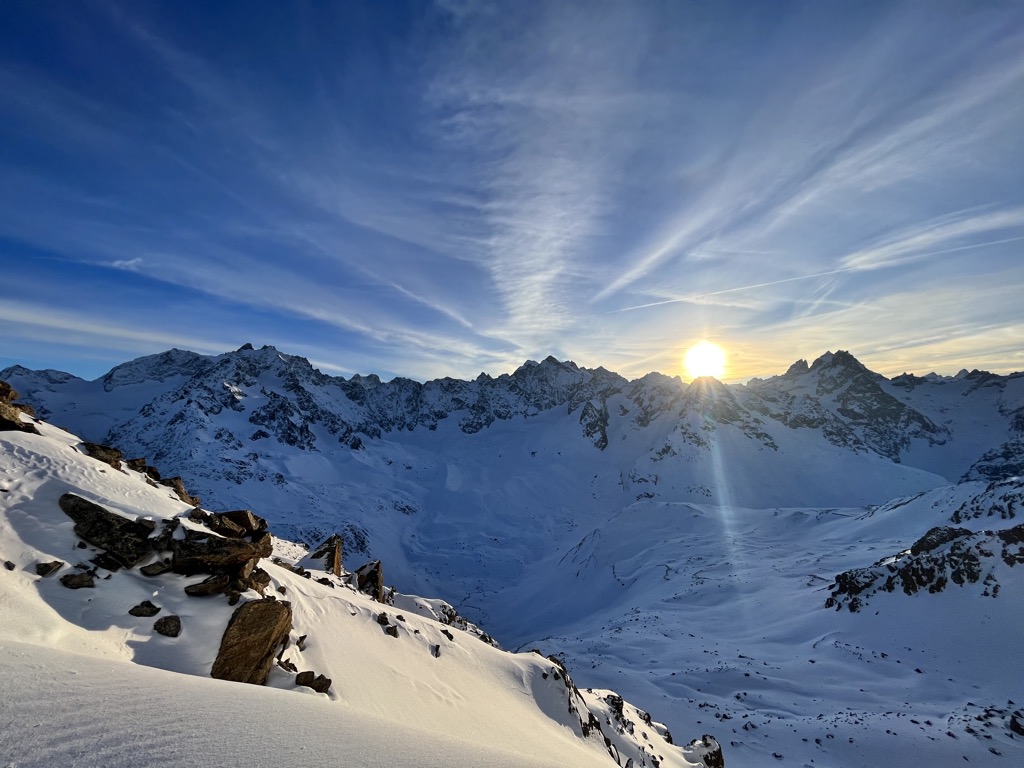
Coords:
pixel 258 580
pixel 192 556
pixel 110 456
pixel 168 625
pixel 250 523
pixel 256 631
pixel 225 527
pixel 81 580
pixel 177 485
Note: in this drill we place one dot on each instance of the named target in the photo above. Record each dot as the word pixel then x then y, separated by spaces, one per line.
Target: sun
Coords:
pixel 705 359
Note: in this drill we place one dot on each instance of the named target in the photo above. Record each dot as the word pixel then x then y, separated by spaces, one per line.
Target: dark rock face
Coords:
pixel 144 609
pixel 45 569
pixel 168 625
pixel 330 552
pixel 318 683
pixel 941 556
pixel 370 579
pixel 82 580
pixel 251 641
pixel 126 540
pixel 936 537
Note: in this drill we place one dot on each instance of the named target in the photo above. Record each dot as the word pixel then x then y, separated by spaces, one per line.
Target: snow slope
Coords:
pixel 676 543
pixel 72 662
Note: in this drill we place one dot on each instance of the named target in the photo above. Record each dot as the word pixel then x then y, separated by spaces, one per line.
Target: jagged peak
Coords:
pixel 839 359
pixel 799 368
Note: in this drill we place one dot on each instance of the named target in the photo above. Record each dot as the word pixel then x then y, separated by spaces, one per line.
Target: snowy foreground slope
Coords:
pixel 83 682
pixel 697 548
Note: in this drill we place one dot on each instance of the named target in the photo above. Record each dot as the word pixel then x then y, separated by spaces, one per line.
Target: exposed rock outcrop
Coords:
pixel 125 540
pixel 10 412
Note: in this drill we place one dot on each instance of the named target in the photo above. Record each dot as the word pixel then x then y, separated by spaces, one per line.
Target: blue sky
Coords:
pixel 430 189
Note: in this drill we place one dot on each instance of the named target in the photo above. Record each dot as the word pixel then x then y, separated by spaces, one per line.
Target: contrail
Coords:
pixel 696 296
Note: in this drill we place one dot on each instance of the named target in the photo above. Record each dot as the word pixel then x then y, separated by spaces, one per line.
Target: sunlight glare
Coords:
pixel 705 359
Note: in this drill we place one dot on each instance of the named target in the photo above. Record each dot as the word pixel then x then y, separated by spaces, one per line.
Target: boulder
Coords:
pixel 193 555
pixel 168 625
pixel 318 683
pixel 9 565
pixel 251 641
pixel 250 523
pixel 155 569
pixel 330 552
pixel 370 579
pixel 83 580
pixel 126 540
pixel 110 456
pixel 225 527
pixel 144 609
pixel 45 569
pixel 212 585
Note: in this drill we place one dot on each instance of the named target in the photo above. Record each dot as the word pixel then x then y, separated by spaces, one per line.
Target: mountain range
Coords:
pixel 720 554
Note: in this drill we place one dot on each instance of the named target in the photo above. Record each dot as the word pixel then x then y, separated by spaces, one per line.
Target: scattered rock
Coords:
pixel 9 565
pixel 391 629
pixel 318 683
pixel 447 634
pixel 83 580
pixel 251 640
pixel 287 666
pixel 144 609
pixel 168 625
pixel 126 540
pixel 45 569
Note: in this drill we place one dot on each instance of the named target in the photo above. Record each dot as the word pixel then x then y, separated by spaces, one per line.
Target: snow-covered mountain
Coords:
pixel 675 542
pixel 118 646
